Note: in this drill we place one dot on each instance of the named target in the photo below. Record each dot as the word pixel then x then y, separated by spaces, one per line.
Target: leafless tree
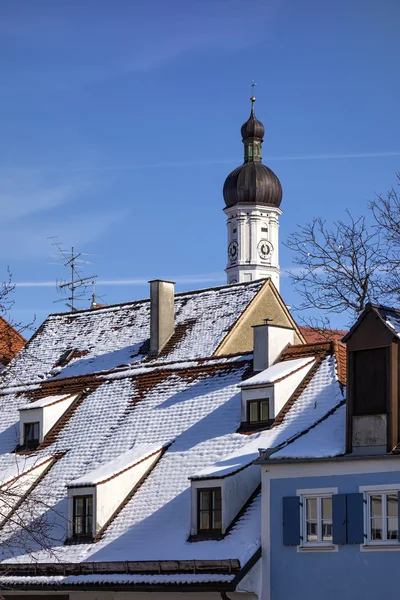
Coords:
pixel 337 268
pixel 386 212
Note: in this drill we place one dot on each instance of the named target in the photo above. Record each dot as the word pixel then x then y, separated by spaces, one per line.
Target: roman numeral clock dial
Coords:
pixel 233 251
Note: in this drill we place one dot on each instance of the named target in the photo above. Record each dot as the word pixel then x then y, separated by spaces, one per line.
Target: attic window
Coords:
pixel 31 434
pixel 83 516
pixel 264 229
pixel 209 513
pixel 258 411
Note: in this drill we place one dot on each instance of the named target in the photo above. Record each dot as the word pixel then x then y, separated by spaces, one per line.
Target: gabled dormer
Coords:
pixel 39 417
pixel 265 394
pixel 373 392
pixel 95 498
pixel 219 497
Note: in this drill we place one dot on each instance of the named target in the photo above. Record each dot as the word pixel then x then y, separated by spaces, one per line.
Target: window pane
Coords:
pixel 392 505
pixel 89 505
pixel 376 528
pixel 311 516
pixel 35 431
pixel 204 500
pixel 217 519
pixel 311 509
pixel 326 531
pixel 327 509
pixel 205 520
pixel 78 507
pixel 217 498
pixel 376 506
pixel 312 531
pixel 264 410
pixel 253 412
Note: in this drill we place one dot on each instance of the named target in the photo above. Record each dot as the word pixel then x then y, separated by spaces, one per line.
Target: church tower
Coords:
pixel 252 195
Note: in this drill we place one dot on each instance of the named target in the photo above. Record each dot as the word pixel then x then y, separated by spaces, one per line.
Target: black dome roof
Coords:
pixel 252 183
pixel 253 128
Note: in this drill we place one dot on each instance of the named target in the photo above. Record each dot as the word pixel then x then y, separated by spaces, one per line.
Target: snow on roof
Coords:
pixel 47 401
pixel 128 459
pixel 277 371
pixel 326 439
pixel 106 338
pixel 321 395
pixel 198 407
pixel 20 465
pixel 79 580
pixel 391 317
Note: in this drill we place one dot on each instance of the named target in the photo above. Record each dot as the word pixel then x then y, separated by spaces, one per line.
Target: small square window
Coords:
pixel 258 411
pixel 317 520
pixel 382 518
pixel 31 434
pixel 209 510
pixel 82 516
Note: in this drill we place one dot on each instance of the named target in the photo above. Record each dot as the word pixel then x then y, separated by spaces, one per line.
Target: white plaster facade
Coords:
pixel 253 243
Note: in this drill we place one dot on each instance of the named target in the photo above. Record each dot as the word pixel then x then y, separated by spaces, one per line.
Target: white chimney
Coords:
pixel 269 341
pixel 162 320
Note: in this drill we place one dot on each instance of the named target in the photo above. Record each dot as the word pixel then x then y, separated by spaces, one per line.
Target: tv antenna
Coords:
pixel 76 285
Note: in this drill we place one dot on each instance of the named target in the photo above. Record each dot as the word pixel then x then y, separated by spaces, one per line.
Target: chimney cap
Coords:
pixel 162 281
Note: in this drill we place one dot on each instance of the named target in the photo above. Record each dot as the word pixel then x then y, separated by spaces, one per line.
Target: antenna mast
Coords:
pixel 77 285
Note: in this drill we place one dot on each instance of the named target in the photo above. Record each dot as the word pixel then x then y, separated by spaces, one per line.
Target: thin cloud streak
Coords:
pixel 202 163
pixel 211 278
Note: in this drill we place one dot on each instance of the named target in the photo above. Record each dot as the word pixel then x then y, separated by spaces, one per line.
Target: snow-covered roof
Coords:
pixel 277 371
pixel 112 468
pixel 47 401
pixel 114 336
pixel 319 397
pixel 327 438
pixel 187 396
pixel 21 465
pixel 197 406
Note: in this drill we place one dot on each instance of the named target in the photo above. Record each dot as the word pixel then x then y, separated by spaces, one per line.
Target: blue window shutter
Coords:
pixel 398 512
pixel 355 519
pixel 339 519
pixel 291 521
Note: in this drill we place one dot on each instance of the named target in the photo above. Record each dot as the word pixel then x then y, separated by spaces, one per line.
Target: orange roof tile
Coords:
pixel 11 341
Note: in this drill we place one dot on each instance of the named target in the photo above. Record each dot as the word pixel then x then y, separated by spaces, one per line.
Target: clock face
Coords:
pixel 233 251
pixel 264 249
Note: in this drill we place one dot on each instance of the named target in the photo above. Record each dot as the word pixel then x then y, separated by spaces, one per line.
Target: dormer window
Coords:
pixel 94 499
pixel 39 417
pixel 258 411
pixel 209 509
pixel 31 434
pixel 83 516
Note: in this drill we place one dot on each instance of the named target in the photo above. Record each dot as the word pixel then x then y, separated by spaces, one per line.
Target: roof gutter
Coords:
pixel 265 460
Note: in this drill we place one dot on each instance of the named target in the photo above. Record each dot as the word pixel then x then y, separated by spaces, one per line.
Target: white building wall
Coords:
pixel 249 221
pixel 112 493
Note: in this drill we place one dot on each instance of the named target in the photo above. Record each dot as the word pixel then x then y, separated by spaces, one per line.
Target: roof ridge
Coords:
pixel 228 286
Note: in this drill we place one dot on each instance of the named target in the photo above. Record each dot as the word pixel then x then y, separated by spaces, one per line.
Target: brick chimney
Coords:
pixel 269 341
pixel 162 321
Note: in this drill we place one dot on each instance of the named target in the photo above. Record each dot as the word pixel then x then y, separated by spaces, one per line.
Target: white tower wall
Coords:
pixel 253 243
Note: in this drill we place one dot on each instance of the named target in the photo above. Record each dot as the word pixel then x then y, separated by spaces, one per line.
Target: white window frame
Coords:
pixel 376 490
pixel 319 494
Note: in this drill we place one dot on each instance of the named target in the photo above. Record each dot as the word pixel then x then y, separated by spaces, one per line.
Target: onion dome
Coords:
pixel 252 182
pixel 253 128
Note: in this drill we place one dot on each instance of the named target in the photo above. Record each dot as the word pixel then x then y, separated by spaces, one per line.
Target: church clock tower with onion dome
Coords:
pixel 252 195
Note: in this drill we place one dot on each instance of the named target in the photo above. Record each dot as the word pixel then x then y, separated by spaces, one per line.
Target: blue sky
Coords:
pixel 121 120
